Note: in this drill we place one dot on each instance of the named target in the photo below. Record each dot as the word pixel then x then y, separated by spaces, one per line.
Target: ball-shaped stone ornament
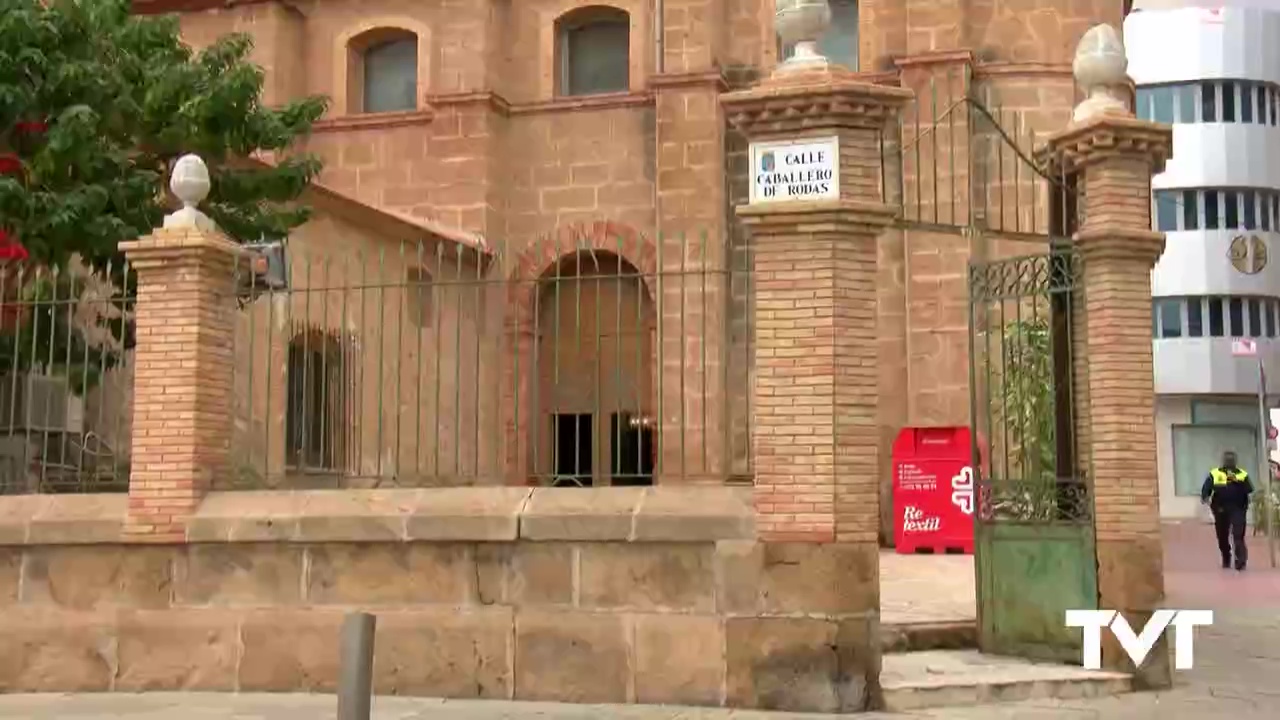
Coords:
pixel 1100 60
pixel 190 180
pixel 801 20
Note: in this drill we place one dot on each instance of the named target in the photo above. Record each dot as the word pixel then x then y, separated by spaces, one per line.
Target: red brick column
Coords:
pixel 816 386
pixel 185 315
pixel 816 392
pixel 1116 157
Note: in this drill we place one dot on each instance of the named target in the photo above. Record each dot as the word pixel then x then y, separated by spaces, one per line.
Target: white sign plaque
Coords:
pixel 795 170
pixel 1244 347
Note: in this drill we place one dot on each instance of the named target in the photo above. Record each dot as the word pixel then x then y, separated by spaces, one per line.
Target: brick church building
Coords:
pixel 528 130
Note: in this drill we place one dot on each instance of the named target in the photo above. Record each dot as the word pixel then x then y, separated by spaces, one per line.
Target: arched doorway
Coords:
pixel 591 403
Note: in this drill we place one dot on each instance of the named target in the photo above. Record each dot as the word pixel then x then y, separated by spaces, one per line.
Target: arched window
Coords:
pixel 316 405
pixel 840 43
pixel 593 51
pixel 386 74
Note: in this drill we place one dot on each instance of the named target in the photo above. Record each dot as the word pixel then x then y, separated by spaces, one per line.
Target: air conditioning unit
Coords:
pixel 39 403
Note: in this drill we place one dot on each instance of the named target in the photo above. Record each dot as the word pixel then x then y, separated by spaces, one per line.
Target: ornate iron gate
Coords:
pixel 967 170
pixel 1034 522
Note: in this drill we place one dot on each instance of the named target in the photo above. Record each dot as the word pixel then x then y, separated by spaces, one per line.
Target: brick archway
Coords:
pixel 539 257
pixel 525 280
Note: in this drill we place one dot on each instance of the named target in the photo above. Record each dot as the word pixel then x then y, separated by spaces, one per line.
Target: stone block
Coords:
pixel 801 664
pixel 10 574
pixel 84 577
pixel 390 573
pixel 254 574
pixel 647 576
pixel 596 514
pixel 78 519
pixel 526 573
pixel 49 650
pixel 462 514
pixel 738 567
pixel 679 659
pixel 16 512
pixel 290 651
pixel 177 650
pixel 444 653
pixel 828 578
pixel 356 515
pixel 571 657
pixel 266 516
pixel 693 514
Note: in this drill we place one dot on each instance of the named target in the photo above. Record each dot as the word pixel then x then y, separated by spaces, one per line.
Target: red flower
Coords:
pixel 10 164
pixel 11 249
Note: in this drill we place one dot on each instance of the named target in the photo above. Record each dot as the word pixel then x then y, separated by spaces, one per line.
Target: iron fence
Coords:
pixel 66 378
pixel 962 161
pixel 592 360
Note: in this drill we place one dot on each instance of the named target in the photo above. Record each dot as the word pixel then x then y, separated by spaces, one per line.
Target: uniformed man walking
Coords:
pixel 1227 491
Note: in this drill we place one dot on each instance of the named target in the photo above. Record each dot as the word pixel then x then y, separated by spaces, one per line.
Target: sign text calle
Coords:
pixel 795 170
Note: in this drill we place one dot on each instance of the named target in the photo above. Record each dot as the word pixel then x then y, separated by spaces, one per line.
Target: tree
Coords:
pixel 96 104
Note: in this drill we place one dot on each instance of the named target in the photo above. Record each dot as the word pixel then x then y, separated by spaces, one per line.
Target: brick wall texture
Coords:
pixel 492 150
pixel 182 399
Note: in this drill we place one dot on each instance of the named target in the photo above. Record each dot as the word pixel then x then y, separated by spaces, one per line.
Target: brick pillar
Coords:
pixel 1116 157
pixel 816 389
pixel 185 317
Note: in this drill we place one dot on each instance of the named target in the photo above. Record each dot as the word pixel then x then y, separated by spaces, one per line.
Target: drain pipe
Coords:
pixel 657 26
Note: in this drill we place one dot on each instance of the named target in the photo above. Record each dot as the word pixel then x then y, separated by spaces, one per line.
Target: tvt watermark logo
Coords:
pixel 1139 645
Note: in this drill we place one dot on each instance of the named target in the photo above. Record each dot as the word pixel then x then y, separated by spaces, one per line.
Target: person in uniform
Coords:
pixel 1226 491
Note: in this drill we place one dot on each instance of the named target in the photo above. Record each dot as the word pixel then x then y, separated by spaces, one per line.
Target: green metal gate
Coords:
pixel 966 175
pixel 1034 537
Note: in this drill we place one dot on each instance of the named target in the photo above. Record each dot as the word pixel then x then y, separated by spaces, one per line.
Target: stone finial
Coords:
pixel 801 23
pixel 189 182
pixel 1101 70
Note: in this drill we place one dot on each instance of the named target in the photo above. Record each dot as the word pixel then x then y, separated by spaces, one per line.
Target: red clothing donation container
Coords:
pixel 933 490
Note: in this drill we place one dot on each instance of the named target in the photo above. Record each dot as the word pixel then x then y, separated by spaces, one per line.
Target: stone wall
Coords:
pixel 652 595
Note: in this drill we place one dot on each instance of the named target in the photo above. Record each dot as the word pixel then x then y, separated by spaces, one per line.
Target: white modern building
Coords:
pixel 1213 71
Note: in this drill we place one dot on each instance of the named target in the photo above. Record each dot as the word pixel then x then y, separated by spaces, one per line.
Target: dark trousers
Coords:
pixel 1229 524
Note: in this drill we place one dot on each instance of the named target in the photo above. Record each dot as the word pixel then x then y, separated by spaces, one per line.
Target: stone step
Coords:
pixel 914 637
pixel 945 678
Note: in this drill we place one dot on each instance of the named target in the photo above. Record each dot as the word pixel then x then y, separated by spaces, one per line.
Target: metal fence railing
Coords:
pixel 66 380
pixel 441 364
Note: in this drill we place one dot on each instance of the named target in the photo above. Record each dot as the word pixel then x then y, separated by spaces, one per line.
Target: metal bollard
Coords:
pixel 355 672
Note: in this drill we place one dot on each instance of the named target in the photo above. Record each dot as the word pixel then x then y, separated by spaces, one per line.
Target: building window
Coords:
pixel 419 298
pixel 385 76
pixel 839 43
pixel 593 52
pixel 1215 317
pixel 1166 210
pixel 1195 321
pixel 1244 101
pixel 1216 209
pixel 1208 102
pixel 315 406
pixel 1235 317
pixel 1256 317
pixel 1170 311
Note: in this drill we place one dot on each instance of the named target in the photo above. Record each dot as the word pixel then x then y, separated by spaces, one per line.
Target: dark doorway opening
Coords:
pixel 631 460
pixel 571 436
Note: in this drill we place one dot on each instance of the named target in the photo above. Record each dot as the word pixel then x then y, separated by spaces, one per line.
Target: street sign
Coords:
pixel 1244 347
